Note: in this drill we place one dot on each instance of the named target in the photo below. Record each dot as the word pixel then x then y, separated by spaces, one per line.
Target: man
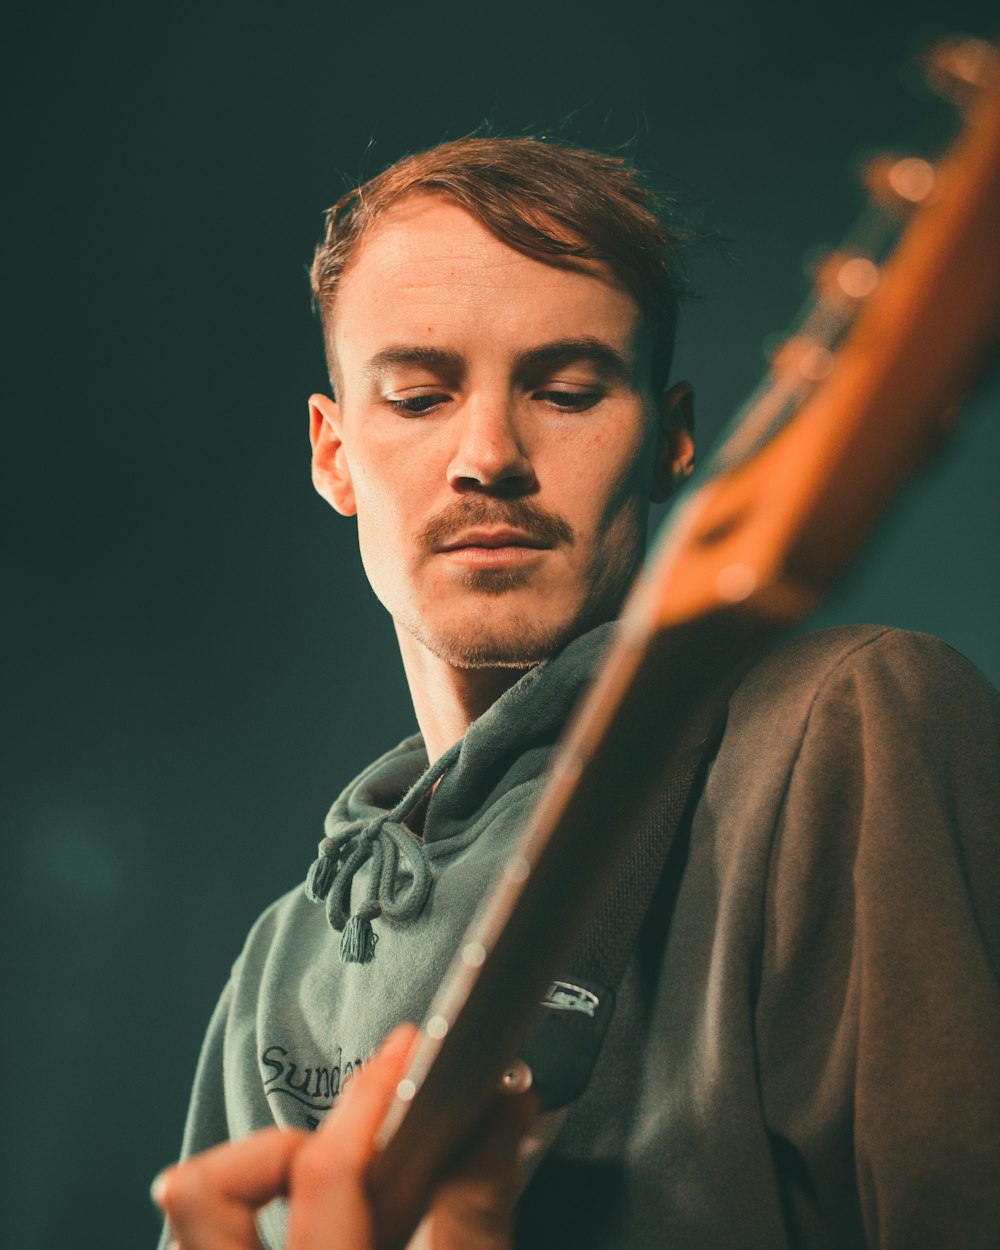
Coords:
pixel 804 1051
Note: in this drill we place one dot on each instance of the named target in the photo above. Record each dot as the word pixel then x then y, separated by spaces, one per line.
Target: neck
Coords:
pixel 447 699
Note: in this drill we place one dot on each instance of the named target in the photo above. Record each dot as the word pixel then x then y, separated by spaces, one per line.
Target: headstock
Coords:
pixel 862 393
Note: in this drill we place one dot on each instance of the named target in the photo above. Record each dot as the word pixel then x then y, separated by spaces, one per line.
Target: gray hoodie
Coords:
pixel 805 1049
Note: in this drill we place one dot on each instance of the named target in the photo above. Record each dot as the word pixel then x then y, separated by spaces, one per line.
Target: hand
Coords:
pixel 211 1199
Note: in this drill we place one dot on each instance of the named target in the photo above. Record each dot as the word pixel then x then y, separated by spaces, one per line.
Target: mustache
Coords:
pixel 476 510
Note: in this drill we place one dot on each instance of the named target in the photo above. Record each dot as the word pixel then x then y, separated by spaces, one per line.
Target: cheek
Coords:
pixel 381 484
pixel 611 475
pixel 382 529
pixel 392 484
pixel 612 488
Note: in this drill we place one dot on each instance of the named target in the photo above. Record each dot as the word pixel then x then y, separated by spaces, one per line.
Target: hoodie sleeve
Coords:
pixel 206 1123
pixel 878 1014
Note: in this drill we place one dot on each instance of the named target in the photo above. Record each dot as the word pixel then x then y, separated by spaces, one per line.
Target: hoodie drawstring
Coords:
pixel 384 840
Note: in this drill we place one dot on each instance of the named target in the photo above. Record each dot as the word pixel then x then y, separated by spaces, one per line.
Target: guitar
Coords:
pixel 857 401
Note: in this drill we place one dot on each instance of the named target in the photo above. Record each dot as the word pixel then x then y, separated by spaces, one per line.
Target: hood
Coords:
pixel 369 819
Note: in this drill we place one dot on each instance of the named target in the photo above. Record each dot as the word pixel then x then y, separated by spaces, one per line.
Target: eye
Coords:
pixel 416 405
pixel 570 401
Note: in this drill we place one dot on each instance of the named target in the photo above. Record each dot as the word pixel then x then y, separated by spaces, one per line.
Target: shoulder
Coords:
pixel 290 915
pixel 813 657
pixel 842 710
pixel 874 669
pixel 886 810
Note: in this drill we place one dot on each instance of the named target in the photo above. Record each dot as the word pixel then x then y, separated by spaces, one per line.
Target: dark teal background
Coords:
pixel 194 663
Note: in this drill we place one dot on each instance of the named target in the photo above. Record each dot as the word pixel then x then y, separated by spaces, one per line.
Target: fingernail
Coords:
pixel 158 1189
pixel 516 1079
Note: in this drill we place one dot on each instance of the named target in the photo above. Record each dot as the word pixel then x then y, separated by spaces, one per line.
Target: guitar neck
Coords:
pixel 751 553
pixel 651 709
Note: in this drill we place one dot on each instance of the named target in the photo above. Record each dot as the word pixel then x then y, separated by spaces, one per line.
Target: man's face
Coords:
pixel 496 434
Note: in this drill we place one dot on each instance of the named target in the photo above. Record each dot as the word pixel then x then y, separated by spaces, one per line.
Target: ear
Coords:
pixel 675 441
pixel 331 474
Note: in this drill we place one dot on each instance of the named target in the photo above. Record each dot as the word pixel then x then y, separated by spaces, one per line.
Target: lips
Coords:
pixel 493 539
pixel 474 523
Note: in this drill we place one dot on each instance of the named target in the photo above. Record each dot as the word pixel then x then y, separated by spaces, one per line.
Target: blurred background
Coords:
pixel 195 666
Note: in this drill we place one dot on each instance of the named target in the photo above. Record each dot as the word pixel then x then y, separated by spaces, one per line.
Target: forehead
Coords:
pixel 429 272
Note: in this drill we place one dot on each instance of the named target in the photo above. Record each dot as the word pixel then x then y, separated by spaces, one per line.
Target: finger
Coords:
pixel 211 1199
pixel 330 1208
pixel 362 1105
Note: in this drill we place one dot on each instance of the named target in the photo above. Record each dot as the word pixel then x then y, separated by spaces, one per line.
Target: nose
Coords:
pixel 490 454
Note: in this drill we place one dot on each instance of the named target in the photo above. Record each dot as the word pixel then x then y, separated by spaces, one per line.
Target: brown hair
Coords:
pixel 546 199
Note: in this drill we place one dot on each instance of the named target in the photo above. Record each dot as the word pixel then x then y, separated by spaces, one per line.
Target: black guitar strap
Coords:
pixel 568 1031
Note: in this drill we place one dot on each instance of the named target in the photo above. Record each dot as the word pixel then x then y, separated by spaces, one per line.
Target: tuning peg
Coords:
pixel 958 69
pixel 802 356
pixel 897 183
pixel 840 275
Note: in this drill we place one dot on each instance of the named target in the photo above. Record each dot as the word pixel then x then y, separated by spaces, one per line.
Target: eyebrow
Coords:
pixel 403 354
pixel 606 360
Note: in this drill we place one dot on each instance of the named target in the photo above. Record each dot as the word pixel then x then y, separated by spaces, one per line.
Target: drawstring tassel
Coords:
pixel 357 942
pixel 357 945
pixel 383 840
pixel 323 871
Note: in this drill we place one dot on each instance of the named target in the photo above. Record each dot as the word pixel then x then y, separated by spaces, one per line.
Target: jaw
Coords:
pixel 493 627
pixel 513 617
pixel 465 638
